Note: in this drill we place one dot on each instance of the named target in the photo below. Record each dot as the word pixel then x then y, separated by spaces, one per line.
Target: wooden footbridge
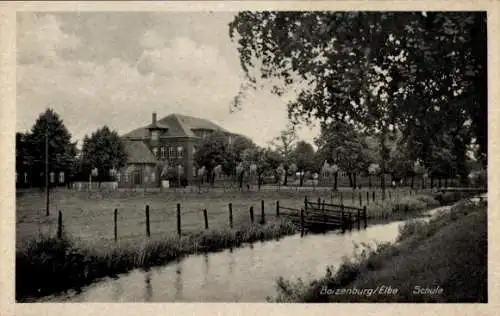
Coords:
pixel 322 216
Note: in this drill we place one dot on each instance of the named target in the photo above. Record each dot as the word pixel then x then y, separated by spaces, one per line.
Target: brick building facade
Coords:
pixel 166 143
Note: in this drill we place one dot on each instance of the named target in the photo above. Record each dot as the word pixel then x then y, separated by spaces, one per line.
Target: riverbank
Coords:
pixel 47 265
pixel 440 260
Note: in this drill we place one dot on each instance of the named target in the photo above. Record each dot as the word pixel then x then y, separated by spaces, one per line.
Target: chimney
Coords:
pixel 154 117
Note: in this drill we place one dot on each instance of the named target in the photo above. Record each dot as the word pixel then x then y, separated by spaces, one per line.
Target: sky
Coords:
pixel 116 69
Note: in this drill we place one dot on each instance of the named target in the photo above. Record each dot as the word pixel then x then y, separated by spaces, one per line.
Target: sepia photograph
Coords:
pixel 239 156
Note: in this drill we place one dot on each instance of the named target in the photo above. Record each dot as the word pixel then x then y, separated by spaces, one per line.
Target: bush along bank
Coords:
pixel 50 265
pixel 441 260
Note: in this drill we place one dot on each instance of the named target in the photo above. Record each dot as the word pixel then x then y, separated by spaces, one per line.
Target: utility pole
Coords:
pixel 47 212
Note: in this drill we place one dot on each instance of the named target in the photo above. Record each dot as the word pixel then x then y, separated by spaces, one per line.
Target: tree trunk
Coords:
pixel 286 178
pixel 382 185
pixel 432 182
pixel 351 184
pixel 439 182
pixel 301 176
pixel 446 182
pixel 370 181
pixel 240 180
pixel 412 181
pixel 335 181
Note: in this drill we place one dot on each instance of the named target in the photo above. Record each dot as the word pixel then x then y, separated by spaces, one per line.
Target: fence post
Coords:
pixel 179 219
pixel 319 203
pixel 341 198
pixel 230 215
pixel 364 215
pixel 367 198
pixel 373 196
pixel 343 217
pixel 350 221
pixel 148 232
pixel 324 213
pixel 277 208
pixel 205 215
pixel 301 221
pixel 115 220
pixel 359 219
pixel 262 215
pixel 305 203
pixel 251 214
pixel 59 225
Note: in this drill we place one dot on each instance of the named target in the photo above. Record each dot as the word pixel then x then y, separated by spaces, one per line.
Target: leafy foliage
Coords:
pixel 103 150
pixel 377 71
pixel 61 150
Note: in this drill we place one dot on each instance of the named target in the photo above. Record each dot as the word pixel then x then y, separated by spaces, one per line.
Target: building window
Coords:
pixel 52 177
pixel 162 153
pixel 155 152
pixel 171 152
pixel 154 135
pixel 125 177
pixel 61 177
pixel 180 151
pixel 153 177
pixel 118 177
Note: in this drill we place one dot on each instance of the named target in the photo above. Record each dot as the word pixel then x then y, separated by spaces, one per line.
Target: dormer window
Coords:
pixel 155 135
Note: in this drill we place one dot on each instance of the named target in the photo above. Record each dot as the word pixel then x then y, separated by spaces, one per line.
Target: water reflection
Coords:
pixel 117 291
pixel 178 286
pixel 246 274
pixel 148 293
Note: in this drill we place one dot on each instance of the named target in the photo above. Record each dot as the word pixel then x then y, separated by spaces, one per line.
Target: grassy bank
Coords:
pixel 448 253
pixel 49 265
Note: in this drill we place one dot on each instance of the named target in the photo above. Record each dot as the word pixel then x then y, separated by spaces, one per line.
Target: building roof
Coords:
pixel 138 152
pixel 177 125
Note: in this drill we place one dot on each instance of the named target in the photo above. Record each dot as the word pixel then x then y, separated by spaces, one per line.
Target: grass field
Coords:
pixel 88 216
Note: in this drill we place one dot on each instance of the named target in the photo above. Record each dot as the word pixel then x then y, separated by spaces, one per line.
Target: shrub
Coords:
pixel 411 228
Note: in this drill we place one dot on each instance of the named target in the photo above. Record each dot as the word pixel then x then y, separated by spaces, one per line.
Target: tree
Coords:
pixel 340 144
pixel 61 151
pixel 284 144
pixel 304 156
pixel 21 152
pixel 103 150
pixel 373 169
pixel 213 151
pixel 376 70
pixel 236 151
